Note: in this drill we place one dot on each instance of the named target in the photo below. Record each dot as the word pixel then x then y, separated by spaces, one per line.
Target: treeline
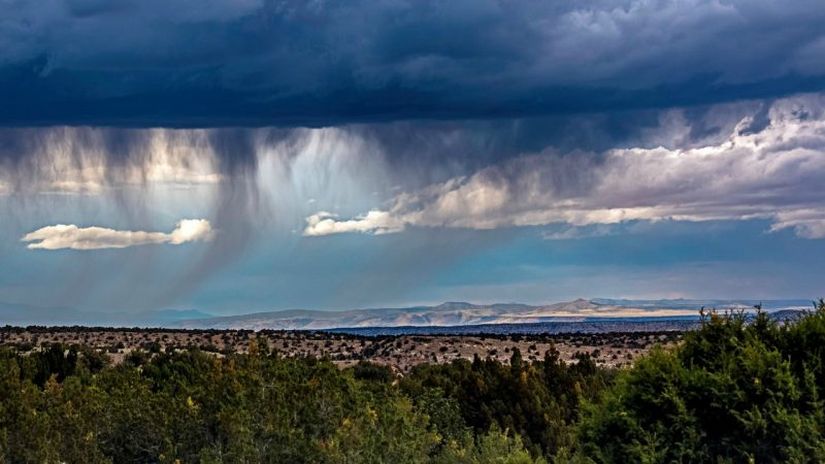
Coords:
pixel 68 405
pixel 736 390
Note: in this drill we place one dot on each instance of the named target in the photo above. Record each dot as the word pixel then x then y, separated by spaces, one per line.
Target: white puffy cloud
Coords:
pixel 70 236
pixel 191 230
pixel 774 173
pixel 374 222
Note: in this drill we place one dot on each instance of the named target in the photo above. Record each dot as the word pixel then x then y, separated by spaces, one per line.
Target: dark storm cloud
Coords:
pixel 257 62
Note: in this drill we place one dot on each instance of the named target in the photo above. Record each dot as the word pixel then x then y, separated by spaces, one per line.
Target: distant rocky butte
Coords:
pixel 460 314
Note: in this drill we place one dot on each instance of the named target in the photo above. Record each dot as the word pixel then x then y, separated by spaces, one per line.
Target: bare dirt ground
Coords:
pixel 401 353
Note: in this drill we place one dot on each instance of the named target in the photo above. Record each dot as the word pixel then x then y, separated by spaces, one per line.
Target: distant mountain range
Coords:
pixel 451 314
pixel 22 314
pixel 455 314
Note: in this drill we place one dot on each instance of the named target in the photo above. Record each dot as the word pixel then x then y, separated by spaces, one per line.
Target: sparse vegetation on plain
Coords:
pixel 399 352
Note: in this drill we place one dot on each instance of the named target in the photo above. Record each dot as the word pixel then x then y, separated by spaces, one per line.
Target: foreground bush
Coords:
pixel 63 406
pixel 737 390
pixel 539 401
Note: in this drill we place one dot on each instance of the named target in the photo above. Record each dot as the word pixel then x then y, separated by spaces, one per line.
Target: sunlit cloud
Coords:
pixel 374 222
pixel 70 236
pixel 767 174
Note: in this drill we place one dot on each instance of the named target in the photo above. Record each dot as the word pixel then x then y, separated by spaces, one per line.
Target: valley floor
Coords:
pixel 400 353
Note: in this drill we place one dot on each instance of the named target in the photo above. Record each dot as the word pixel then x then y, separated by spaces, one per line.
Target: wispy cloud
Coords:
pixel 70 236
pixel 575 233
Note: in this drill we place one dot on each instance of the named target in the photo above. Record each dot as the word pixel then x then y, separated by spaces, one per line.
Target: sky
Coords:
pixel 234 156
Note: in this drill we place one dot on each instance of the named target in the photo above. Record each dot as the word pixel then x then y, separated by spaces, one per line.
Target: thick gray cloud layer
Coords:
pixel 257 62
